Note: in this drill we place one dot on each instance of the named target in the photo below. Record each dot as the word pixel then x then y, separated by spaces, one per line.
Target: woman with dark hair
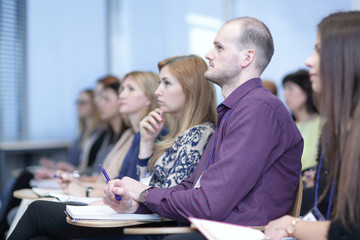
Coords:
pixel 335 77
pixel 299 99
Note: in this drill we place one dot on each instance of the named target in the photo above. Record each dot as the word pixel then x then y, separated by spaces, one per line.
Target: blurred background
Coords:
pixel 52 49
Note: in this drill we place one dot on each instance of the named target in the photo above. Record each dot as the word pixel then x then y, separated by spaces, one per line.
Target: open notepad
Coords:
pixel 105 213
pixel 61 197
pixel 46 192
pixel 45 183
pixel 214 230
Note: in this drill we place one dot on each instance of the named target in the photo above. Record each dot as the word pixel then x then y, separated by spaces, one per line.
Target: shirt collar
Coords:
pixel 241 91
pixel 236 96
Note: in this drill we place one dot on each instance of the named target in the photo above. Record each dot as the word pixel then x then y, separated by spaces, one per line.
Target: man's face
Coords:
pixel 225 57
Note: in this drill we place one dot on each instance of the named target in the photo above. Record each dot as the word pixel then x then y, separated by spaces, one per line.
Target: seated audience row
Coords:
pixel 249 119
pixel 82 153
pixel 249 169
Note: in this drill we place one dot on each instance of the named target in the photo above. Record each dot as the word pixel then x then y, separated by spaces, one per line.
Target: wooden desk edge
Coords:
pixel 34 145
pixel 158 230
pixel 25 193
pixel 104 224
pixel 260 228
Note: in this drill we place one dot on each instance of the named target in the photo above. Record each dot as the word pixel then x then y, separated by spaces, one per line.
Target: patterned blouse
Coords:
pixel 179 161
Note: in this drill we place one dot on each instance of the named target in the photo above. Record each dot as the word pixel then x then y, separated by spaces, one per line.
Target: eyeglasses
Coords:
pixel 81 102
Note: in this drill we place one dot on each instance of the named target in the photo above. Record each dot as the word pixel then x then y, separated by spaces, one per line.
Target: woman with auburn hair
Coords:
pixel 189 100
pixel 335 76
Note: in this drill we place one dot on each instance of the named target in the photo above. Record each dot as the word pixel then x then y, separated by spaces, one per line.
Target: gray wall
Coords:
pixel 66 52
pixel 68 44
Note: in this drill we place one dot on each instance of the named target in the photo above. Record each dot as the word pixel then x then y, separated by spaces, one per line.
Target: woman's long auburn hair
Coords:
pixel 200 106
pixel 340 107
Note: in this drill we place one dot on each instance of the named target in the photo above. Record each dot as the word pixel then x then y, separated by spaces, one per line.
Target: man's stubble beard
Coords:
pixel 219 78
pixel 215 78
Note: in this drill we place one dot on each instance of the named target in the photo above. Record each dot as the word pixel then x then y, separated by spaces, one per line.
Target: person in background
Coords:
pixel 299 99
pixel 117 132
pixel 89 126
pixel 271 86
pixel 91 146
pixel 137 99
pixel 334 75
pixel 108 104
pixel 188 101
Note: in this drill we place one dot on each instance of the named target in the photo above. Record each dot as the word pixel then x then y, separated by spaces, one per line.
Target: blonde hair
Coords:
pixel 147 82
pixel 200 106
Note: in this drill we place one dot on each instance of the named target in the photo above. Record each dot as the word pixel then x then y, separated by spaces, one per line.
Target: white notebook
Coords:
pixel 46 192
pixel 105 213
pixel 214 230
pixel 61 197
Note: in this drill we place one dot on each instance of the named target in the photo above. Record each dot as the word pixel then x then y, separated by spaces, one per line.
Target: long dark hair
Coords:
pixel 340 107
pixel 113 83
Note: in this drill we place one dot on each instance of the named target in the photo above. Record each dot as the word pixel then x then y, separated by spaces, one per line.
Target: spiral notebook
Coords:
pixel 105 213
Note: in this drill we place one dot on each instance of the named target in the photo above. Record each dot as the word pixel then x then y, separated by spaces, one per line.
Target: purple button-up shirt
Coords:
pixel 254 169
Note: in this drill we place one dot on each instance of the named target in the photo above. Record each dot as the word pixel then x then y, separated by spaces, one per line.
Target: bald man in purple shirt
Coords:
pixel 250 169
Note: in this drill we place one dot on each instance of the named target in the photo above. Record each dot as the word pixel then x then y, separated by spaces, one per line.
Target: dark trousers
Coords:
pixel 9 201
pixel 307 201
pixel 46 220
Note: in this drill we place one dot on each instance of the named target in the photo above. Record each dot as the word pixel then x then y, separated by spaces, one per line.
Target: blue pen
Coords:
pixel 61 176
pixel 108 179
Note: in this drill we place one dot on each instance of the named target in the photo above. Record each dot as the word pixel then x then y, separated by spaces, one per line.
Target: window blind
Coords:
pixel 13 88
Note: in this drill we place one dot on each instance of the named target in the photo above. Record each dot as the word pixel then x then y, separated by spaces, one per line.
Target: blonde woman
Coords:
pixel 136 100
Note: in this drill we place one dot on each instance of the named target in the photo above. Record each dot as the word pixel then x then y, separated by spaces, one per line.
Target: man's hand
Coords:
pixel 127 203
pixel 134 187
pixel 276 229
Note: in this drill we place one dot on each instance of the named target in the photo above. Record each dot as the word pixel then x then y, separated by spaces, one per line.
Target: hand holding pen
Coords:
pixel 62 177
pixel 117 187
pixel 108 180
pixel 310 178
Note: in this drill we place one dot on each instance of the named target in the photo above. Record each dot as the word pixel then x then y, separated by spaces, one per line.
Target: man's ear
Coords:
pixel 249 56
